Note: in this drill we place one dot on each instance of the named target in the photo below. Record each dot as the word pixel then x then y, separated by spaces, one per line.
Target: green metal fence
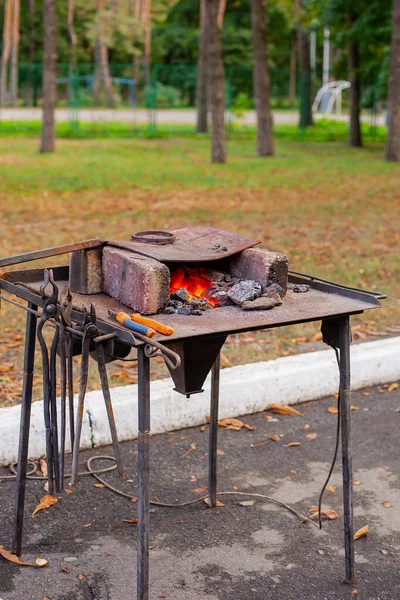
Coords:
pixel 127 102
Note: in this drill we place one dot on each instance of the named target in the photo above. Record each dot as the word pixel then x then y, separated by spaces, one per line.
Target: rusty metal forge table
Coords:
pixel 198 340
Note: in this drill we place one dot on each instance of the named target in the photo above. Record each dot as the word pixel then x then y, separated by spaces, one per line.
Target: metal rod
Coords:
pixel 345 411
pixel 70 372
pixel 212 452
pixel 63 365
pixel 143 474
pixel 46 405
pixel 26 404
pixel 26 308
pixel 101 364
pixel 53 409
pixel 48 252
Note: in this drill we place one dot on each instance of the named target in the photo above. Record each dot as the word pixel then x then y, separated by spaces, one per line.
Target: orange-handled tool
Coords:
pixel 160 327
pixel 125 320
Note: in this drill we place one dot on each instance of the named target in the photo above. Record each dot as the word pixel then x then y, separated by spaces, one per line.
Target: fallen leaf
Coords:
pixel 312 436
pixel 64 570
pixel 330 488
pixel 45 502
pixel 366 393
pixel 45 598
pixel 284 410
pixel 247 503
pixel 233 428
pixel 397 409
pixel 199 490
pixel 260 444
pixel 356 482
pixel 387 504
pixel 220 452
pixel 41 562
pixel 249 427
pixel 392 387
pixel 361 532
pixel 328 513
pixel 68 491
pixel 354 592
pixel 236 488
pixel 81 576
pixel 218 503
pixel 307 426
pixel 87 525
pixel 13 558
pixel 43 467
pixel 6 368
pixel 275 438
pixel 352 407
pixel 230 423
pixel 291 444
pixel 293 471
pixel 333 410
pixel 130 520
pixel 192 447
pixel 99 485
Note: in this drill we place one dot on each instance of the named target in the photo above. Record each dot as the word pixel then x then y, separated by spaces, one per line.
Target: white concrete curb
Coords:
pixel 244 389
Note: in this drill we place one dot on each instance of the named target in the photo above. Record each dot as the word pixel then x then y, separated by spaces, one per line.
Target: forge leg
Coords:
pixel 345 408
pixel 212 453
pixel 143 474
pixel 24 428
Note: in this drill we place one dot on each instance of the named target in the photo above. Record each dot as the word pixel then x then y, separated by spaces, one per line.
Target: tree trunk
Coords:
pixel 306 84
pixel 393 140
pixel 293 71
pixel 147 38
pixel 102 67
pixel 72 34
pixel 355 93
pixel 265 141
pixel 49 75
pixel 31 55
pixel 5 55
pixel 201 88
pixel 216 83
pixel 14 52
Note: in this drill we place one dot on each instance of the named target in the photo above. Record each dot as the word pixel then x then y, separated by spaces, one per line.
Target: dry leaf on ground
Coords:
pixel 333 410
pixel 275 438
pixel 218 503
pixel 234 424
pixel 99 485
pixel 130 520
pixel 199 490
pixel 45 502
pixel 397 409
pixel 329 513
pixel 192 447
pixel 393 386
pixel 284 410
pixel 43 466
pixel 81 576
pixel 247 503
pixel 13 558
pixel 312 436
pixel 361 532
pixel 387 504
pixel 355 482
pixel 220 452
pixel 330 488
pixel 291 444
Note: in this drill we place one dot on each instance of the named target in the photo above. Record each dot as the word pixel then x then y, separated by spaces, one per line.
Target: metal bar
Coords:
pixel 48 252
pixel 377 295
pixel 101 365
pixel 46 405
pixel 143 474
pixel 26 308
pixel 70 372
pixel 63 368
pixel 212 452
pixel 345 412
pixel 24 428
pixel 53 408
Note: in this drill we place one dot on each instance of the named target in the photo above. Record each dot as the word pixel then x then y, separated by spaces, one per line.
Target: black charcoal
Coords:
pixel 244 290
pixel 182 295
pixel 300 288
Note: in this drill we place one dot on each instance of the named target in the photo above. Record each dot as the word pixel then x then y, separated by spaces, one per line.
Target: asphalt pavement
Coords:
pixel 258 551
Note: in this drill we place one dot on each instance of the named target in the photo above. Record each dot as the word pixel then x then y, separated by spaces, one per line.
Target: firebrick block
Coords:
pixel 139 282
pixel 262 266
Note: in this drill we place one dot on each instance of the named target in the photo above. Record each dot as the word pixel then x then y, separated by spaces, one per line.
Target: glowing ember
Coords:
pixel 194 280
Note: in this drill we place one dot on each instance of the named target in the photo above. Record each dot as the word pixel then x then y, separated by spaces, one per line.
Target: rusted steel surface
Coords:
pixel 322 301
pixel 192 244
pixel 48 252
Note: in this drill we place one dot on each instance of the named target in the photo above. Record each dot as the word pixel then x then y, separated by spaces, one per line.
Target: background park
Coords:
pixel 275 119
pixel 134 93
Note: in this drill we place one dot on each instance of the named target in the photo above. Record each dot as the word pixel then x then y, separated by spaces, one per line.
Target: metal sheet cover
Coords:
pixel 192 244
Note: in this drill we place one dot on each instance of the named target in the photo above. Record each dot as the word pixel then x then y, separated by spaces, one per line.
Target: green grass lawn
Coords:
pixel 332 209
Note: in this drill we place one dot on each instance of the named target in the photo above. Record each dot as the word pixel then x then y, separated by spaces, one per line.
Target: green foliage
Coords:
pixel 162 96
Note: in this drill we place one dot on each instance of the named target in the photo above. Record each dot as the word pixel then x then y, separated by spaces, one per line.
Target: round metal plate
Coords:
pixel 160 238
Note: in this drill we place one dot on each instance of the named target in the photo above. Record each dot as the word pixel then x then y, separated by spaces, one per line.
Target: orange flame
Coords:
pixel 194 280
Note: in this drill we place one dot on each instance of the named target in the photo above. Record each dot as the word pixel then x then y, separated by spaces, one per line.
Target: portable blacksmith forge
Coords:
pixel 83 325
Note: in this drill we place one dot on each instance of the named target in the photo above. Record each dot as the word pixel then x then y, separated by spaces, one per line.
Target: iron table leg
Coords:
pixel 345 408
pixel 212 453
pixel 143 474
pixel 24 428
